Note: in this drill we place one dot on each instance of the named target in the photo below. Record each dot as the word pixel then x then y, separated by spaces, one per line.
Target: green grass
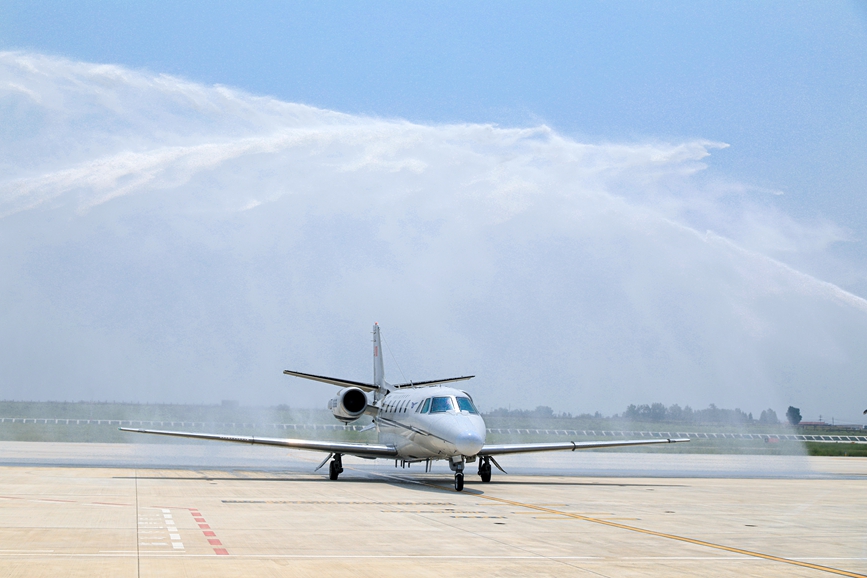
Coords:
pixel 842 450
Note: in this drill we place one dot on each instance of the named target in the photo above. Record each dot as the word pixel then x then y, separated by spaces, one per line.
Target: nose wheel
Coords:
pixel 459 482
pixel 335 468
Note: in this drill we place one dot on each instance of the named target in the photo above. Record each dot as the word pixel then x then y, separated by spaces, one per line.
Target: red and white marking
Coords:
pixel 209 534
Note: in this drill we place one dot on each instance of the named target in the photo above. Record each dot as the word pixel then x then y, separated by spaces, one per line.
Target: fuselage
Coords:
pixel 429 423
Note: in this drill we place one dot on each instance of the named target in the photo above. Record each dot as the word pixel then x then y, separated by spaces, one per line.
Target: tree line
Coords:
pixel 712 414
pixel 658 412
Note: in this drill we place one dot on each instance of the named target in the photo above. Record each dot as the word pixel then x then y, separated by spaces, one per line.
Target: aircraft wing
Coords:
pixel 500 449
pixel 352 449
pixel 333 380
pixel 432 382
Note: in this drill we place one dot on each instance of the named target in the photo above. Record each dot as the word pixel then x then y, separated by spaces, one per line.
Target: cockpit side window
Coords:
pixel 465 404
pixel 441 405
pixel 425 406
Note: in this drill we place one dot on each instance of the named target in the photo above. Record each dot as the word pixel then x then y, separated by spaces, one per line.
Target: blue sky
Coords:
pixel 175 233
pixel 784 83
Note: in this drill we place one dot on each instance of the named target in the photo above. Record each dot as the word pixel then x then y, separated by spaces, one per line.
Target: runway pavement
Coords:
pixel 76 510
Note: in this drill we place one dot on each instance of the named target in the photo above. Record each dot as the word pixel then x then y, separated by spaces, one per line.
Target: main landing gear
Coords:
pixel 335 468
pixel 485 468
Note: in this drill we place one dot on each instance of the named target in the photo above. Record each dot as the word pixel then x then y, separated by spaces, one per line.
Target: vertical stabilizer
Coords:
pixel 378 370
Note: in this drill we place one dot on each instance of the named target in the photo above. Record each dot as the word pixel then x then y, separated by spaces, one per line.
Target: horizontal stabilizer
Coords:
pixel 333 380
pixel 432 382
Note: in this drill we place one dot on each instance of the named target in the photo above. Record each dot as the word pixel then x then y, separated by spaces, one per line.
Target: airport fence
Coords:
pixel 767 437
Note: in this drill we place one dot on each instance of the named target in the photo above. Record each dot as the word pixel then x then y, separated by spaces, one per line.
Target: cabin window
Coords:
pixel 466 404
pixel 425 406
pixel 441 405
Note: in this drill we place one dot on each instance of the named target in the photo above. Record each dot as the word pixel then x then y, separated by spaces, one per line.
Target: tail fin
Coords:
pixel 378 370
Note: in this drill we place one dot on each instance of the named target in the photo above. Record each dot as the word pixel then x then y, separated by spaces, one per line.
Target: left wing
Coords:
pixel 500 449
pixel 360 450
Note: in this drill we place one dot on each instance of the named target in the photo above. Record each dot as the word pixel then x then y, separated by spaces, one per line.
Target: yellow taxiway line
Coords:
pixel 673 537
pixel 620 526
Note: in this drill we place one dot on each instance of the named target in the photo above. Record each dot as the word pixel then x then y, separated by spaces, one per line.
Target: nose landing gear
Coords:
pixel 485 468
pixel 335 468
pixel 459 482
pixel 456 463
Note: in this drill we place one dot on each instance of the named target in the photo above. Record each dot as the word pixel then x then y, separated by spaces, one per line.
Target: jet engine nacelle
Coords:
pixel 349 405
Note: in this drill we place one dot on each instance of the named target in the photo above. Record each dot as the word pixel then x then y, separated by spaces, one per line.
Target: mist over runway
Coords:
pixel 226 457
pixel 162 240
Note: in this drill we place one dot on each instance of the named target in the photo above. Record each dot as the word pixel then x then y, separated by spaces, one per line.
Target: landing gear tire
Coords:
pixel 485 470
pixel 459 482
pixel 335 468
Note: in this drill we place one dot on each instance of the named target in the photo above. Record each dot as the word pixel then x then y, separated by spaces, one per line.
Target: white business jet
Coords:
pixel 416 422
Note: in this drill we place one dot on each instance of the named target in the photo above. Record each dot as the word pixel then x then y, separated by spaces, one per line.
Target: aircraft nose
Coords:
pixel 469 442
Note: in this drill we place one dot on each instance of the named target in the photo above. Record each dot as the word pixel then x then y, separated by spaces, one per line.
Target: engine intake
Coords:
pixel 349 405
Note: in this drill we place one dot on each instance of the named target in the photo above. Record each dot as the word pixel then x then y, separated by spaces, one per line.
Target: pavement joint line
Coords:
pixel 137 529
pixel 266 556
pixel 532 556
pixel 770 557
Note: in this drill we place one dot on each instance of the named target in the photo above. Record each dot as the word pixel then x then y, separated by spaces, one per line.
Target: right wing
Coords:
pixel 500 449
pixel 431 382
pixel 353 449
pixel 333 380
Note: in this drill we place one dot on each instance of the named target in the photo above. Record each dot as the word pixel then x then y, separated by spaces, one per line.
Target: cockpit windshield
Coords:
pixel 466 404
pixel 441 405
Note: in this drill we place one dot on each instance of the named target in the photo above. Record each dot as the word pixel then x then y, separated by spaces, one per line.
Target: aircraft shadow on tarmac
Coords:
pixel 417 483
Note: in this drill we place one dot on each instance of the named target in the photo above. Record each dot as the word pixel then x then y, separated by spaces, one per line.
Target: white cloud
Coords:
pixel 161 239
